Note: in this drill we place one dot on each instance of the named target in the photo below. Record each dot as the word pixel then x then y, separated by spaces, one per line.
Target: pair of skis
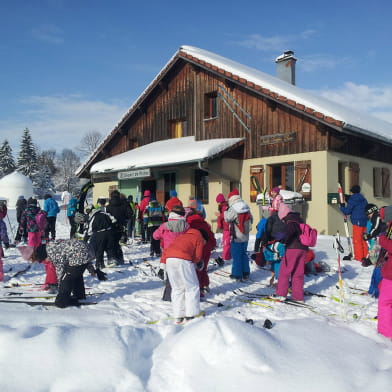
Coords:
pixel 342 200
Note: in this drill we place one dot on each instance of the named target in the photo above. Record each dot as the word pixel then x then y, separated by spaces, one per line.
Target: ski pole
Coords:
pixel 9 223
pixel 340 280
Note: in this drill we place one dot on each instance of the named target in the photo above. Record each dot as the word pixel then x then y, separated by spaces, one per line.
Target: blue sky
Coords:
pixel 68 67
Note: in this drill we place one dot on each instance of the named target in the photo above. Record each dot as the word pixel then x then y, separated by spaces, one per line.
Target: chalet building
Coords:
pixel 207 124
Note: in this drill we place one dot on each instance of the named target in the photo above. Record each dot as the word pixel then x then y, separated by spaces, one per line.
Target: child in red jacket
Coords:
pixel 181 257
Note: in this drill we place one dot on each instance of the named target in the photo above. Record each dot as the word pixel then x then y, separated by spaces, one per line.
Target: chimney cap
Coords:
pixel 287 54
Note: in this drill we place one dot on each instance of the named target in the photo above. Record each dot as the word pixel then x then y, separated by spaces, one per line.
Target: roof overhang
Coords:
pixel 168 152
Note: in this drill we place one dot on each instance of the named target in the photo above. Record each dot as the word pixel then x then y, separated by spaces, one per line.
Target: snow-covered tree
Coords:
pixel 7 162
pixel 42 182
pixel 27 159
pixel 66 164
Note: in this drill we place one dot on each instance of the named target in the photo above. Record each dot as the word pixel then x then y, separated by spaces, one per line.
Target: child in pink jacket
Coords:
pixel 384 317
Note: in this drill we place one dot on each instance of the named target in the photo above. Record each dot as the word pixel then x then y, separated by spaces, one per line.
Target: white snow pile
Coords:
pixel 113 346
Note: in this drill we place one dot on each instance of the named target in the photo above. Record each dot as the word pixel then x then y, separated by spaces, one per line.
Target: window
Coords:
pixel 210 105
pixel 178 128
pixel 381 182
pixel 282 175
pixel 201 186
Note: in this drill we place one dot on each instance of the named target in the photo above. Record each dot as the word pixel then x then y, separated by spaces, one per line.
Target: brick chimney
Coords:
pixel 285 66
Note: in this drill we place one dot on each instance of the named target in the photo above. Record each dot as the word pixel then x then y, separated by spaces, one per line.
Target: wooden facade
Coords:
pixel 191 97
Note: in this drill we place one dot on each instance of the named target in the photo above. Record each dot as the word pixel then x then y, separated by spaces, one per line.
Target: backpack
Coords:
pixel 41 220
pixel 308 236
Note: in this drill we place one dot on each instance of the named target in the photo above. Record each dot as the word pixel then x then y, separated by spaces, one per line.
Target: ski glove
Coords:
pixel 342 204
pixel 101 275
pixel 161 274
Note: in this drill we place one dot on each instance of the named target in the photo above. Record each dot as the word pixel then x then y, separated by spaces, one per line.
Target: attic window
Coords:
pixel 211 105
pixel 178 128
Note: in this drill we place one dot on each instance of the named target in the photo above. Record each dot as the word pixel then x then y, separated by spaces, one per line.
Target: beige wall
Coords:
pixel 102 189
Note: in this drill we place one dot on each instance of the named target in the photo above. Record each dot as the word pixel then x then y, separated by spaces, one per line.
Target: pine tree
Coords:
pixel 7 162
pixel 42 182
pixel 27 159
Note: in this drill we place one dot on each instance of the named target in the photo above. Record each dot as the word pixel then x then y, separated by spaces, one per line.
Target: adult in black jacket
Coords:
pixel 100 234
pixel 121 211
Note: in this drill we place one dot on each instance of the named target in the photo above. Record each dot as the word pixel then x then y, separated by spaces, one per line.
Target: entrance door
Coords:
pixel 150 185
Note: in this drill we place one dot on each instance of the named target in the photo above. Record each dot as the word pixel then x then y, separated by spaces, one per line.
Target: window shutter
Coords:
pixel 353 168
pixel 256 181
pixel 386 187
pixel 303 175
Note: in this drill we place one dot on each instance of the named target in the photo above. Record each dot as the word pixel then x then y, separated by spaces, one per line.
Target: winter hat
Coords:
pixel 175 216
pixel 220 198
pixel 276 189
pixel 47 196
pixel 355 189
pixel 173 193
pixel 147 193
pixel 370 208
pixel 283 211
pixel 192 202
pixel 32 202
pixel 20 197
pixel 233 192
pixel 179 210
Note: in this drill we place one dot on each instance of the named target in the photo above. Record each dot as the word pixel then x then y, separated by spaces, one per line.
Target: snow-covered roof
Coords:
pixel 299 99
pixel 356 121
pixel 165 153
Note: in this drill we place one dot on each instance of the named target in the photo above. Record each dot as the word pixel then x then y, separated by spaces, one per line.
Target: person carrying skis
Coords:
pixel 356 209
pixel 52 209
pixel 240 219
pixel 292 267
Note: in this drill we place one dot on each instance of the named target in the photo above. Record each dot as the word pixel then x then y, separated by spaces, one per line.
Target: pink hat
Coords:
pixel 220 198
pixel 283 211
pixel 233 192
pixel 276 189
pixel 147 193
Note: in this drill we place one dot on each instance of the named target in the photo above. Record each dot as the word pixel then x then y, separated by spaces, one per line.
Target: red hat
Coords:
pixel 233 192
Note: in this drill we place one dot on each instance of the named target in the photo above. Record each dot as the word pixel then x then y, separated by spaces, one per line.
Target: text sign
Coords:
pixel 134 174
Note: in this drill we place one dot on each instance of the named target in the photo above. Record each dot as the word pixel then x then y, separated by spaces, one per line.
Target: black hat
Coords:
pixel 355 189
pixel 370 208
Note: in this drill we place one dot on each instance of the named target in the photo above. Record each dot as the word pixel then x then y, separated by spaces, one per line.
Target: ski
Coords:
pixel 342 200
pixel 252 302
pixel 201 314
pixel 39 303
pixel 21 272
pixel 340 280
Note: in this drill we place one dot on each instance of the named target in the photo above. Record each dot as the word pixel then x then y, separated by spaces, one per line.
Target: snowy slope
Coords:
pixel 110 346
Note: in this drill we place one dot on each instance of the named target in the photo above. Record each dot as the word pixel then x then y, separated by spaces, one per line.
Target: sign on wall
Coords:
pixel 134 174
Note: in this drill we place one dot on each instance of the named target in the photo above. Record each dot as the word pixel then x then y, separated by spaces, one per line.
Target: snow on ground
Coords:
pixel 112 347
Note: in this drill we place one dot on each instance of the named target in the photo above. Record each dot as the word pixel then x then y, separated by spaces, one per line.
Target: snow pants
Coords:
pixel 101 242
pixel 71 282
pixel 240 267
pixel 384 317
pixel 202 276
pixel 292 267
pixel 226 254
pixel 359 244
pixel 1 270
pixel 185 294
pixel 34 239
pixel 51 228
